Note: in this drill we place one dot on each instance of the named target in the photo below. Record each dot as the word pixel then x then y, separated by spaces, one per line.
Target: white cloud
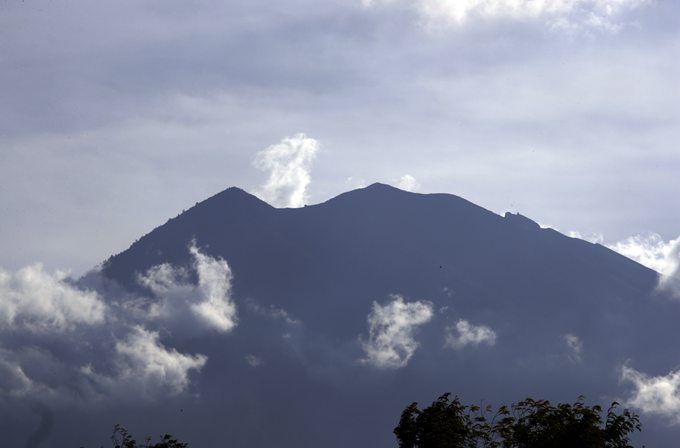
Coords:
pixel 408 183
pixel 288 163
pixel 652 251
pixel 35 300
pixel 61 342
pixel 209 302
pixel 654 394
pixel 575 346
pixel 146 362
pixel 564 15
pixel 464 334
pixel 391 340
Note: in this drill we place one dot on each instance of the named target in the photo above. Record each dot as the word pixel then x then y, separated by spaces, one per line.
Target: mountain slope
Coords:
pixel 324 266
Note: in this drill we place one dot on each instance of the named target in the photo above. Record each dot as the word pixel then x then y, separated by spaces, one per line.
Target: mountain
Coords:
pixel 566 315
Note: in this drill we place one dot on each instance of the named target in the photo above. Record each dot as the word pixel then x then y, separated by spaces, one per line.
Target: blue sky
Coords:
pixel 116 116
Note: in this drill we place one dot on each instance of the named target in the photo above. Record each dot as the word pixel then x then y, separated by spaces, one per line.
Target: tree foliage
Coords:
pixel 121 438
pixel 447 423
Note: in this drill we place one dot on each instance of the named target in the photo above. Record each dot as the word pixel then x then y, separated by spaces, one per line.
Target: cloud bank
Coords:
pixel 391 342
pixel 464 334
pixel 37 301
pixel 288 163
pixel 65 344
pixel 557 14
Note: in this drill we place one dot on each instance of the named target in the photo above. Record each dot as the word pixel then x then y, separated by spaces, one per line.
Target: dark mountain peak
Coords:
pixel 234 196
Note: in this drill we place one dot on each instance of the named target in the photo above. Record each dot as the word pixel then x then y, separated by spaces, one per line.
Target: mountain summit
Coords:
pixel 384 297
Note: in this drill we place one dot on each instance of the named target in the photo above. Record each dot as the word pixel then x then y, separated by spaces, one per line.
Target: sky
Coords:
pixel 115 116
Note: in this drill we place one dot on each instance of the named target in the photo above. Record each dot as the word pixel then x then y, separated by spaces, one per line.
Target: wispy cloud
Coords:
pixel 574 346
pixel 464 334
pixel 654 394
pixel 288 163
pixel 567 15
pixel 391 342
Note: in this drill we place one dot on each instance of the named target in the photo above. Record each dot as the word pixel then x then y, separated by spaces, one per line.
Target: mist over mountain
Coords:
pixel 315 326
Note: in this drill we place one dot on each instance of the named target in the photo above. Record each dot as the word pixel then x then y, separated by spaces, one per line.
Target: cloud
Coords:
pixel 288 163
pixel 653 251
pixel 464 334
pixel 65 344
pixel 38 301
pixel 408 183
pixel 568 15
pixel 209 301
pixel 273 313
pixel 654 394
pixel 253 361
pixel 391 341
pixel 575 346
pixel 147 367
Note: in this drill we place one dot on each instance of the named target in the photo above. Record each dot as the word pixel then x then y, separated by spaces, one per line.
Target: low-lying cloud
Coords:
pixel 63 344
pixel 288 163
pixel 464 334
pixel 34 300
pixel 209 301
pixel 654 394
pixel 391 342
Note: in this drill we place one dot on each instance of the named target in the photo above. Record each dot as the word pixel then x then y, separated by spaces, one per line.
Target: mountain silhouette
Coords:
pixel 326 265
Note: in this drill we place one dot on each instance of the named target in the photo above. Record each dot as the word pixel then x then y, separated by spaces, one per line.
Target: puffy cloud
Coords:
pixel 288 163
pixel 145 366
pixel 61 342
pixel 464 334
pixel 652 251
pixel 408 183
pixel 36 300
pixel 558 14
pixel 209 301
pixel 574 345
pixel 654 394
pixel 391 341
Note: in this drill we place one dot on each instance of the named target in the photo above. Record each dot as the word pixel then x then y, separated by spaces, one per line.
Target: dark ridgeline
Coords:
pixel 325 264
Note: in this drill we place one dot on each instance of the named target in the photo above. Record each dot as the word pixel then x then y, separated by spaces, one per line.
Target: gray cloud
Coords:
pixel 37 301
pixel 66 345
